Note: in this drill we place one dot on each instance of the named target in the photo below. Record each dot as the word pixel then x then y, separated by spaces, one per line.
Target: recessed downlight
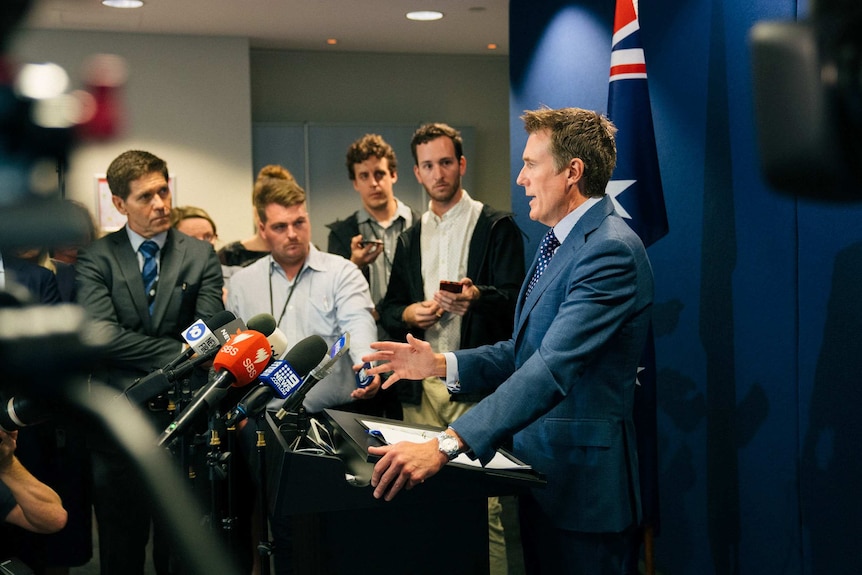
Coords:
pixel 123 3
pixel 424 15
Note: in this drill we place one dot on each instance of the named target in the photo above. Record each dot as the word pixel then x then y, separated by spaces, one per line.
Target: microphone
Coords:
pixel 293 401
pixel 265 324
pixel 221 326
pixel 196 334
pixel 226 326
pixel 237 364
pixel 20 412
pixel 200 337
pixel 232 327
pixel 282 377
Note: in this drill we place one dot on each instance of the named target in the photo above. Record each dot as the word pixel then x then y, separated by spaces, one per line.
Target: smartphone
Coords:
pixel 365 241
pixel 362 378
pixel 454 287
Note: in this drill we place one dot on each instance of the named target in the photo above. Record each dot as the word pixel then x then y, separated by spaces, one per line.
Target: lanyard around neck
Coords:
pixel 289 295
pixel 386 261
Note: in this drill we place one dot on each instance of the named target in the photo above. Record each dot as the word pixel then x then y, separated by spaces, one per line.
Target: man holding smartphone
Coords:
pixel 454 283
pixel 368 237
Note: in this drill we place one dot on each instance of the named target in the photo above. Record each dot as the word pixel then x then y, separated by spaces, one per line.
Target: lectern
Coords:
pixel 438 527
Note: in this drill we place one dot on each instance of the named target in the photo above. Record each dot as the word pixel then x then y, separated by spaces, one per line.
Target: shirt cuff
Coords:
pixel 453 384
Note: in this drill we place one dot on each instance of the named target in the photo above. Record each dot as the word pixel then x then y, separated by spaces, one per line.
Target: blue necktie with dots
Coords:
pixel 546 252
pixel 150 271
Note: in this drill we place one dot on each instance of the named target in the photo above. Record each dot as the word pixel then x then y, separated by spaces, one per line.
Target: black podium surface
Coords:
pixel 438 527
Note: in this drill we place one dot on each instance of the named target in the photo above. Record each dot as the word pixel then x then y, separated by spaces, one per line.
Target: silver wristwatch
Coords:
pixel 448 445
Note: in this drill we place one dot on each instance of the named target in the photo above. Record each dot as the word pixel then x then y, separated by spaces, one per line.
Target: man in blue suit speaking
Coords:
pixel 564 383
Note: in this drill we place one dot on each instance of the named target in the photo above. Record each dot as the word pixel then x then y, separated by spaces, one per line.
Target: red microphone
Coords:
pixel 239 361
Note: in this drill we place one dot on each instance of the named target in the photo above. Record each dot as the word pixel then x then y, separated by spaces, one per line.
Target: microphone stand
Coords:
pixel 301 424
pixel 217 461
pixel 176 396
pixel 264 546
pixel 134 434
pixel 300 421
pixel 229 522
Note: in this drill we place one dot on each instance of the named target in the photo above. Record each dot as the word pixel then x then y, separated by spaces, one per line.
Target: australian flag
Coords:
pixel 637 194
pixel 636 184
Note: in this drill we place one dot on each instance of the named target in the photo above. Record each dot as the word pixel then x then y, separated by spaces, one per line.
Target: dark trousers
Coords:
pixel 549 550
pixel 123 508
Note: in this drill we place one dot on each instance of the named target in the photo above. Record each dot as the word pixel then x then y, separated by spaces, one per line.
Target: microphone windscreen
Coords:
pixel 306 354
pixel 219 319
pixel 244 355
pixel 278 341
pixel 265 324
pixel 262 322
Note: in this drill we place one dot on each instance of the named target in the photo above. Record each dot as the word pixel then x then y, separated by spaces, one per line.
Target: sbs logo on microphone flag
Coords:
pixel 253 351
pixel 638 197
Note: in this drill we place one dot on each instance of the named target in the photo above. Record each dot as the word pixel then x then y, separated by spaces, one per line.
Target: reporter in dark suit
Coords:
pixel 564 383
pixel 39 282
pixel 144 327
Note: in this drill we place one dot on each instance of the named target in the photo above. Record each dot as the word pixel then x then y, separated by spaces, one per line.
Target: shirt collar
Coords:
pixel 459 209
pixel 401 211
pixel 137 239
pixel 315 260
pixel 564 226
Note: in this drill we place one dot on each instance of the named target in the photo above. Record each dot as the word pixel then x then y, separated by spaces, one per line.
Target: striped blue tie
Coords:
pixel 150 271
pixel 546 252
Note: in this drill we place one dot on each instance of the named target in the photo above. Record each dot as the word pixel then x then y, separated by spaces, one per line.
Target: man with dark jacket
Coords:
pixel 368 237
pixel 142 286
pixel 454 282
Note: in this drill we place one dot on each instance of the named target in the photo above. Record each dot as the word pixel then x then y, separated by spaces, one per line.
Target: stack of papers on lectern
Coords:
pixel 395 433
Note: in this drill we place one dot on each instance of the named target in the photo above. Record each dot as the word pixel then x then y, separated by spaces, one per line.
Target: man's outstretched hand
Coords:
pixel 412 360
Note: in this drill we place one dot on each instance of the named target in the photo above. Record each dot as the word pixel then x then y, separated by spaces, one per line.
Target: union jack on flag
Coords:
pixel 636 184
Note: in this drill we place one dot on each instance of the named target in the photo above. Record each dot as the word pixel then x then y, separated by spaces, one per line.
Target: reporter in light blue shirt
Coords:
pixel 307 291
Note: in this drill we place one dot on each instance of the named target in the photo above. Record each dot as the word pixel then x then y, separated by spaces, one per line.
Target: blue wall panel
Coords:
pixel 830 363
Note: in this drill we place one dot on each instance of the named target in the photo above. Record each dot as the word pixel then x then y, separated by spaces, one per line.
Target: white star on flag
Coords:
pixel 615 188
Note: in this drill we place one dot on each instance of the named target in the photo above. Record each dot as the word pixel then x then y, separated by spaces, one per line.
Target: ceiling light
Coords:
pixel 424 15
pixel 492 46
pixel 123 3
pixel 332 41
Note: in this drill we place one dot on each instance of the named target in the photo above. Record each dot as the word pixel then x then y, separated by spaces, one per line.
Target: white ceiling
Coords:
pixel 358 25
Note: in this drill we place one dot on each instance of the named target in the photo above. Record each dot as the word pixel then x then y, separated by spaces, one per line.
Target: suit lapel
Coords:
pixel 169 271
pixel 563 256
pixel 130 269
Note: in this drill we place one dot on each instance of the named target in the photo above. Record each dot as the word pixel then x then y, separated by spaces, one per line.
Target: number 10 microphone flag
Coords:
pixel 638 197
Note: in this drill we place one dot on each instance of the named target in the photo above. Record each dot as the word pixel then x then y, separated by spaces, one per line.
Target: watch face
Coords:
pixel 448 445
